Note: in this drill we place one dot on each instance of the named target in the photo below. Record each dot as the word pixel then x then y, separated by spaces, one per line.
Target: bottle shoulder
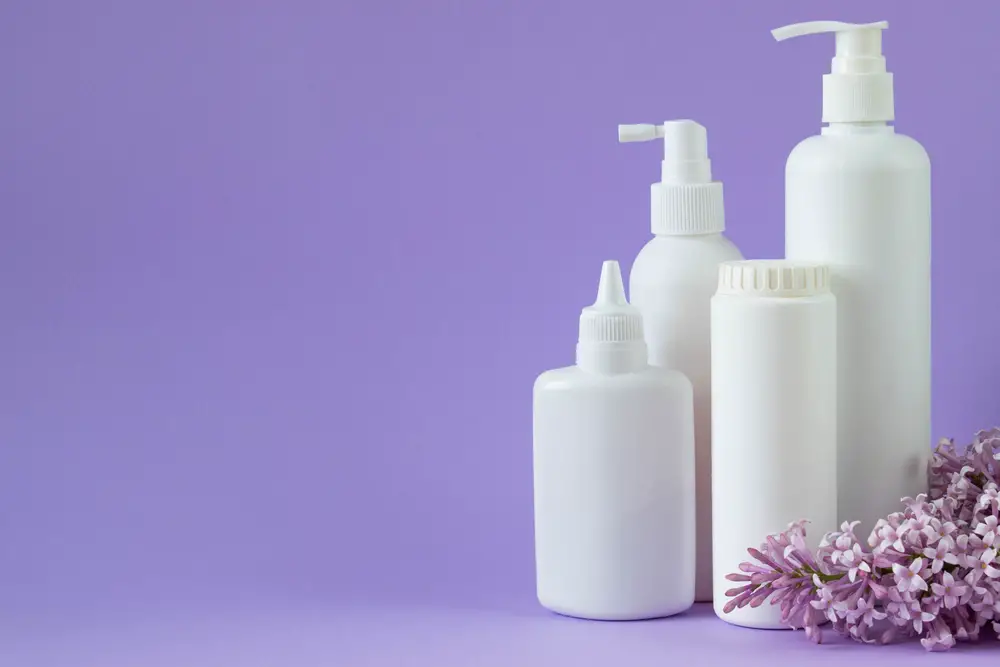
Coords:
pixel 574 378
pixel 666 257
pixel 558 378
pixel 853 150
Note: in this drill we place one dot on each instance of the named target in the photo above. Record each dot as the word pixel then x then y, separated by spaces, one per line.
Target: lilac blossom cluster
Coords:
pixel 929 571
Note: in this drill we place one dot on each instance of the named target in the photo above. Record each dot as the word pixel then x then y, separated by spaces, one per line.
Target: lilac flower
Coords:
pixel 883 536
pixel 824 603
pixel 860 633
pixel 946 462
pixel 939 637
pixel 945 529
pixel 902 537
pixel 840 545
pixel 966 624
pixel 929 570
pixel 981 595
pixel 910 578
pixel 916 505
pixel 989 499
pixel 987 530
pixel 940 554
pixel 950 591
pixel 916 526
pixel 967 544
pixel 920 618
pixel 854 560
pixel 984 565
pixel 900 609
pixel 848 527
pixel 866 613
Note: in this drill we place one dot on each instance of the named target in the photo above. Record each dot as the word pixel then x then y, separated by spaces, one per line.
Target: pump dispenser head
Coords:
pixel 686 200
pixel 611 338
pixel 858 88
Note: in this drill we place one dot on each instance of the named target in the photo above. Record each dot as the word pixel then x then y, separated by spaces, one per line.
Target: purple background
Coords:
pixel 276 277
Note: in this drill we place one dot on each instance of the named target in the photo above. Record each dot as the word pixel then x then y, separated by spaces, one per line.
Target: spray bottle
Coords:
pixel 672 282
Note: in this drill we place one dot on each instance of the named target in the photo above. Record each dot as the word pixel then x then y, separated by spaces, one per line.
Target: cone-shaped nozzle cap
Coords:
pixel 611 289
pixel 611 319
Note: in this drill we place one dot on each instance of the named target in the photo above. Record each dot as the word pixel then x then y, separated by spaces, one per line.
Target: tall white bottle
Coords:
pixel 614 473
pixel 672 283
pixel 857 197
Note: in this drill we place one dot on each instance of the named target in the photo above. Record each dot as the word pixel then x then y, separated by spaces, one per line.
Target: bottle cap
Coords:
pixel 611 337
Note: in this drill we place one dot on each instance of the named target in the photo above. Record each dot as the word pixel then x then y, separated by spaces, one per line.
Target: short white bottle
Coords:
pixel 774 414
pixel 614 473
pixel 672 283
pixel 858 198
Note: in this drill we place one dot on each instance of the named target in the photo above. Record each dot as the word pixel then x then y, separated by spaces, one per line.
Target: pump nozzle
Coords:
pixel 858 87
pixel 816 27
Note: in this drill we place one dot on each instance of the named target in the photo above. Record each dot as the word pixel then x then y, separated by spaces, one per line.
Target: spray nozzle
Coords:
pixel 858 87
pixel 685 149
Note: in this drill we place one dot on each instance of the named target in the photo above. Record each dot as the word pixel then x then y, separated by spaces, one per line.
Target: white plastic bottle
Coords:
pixel 614 473
pixel 774 414
pixel 672 283
pixel 858 198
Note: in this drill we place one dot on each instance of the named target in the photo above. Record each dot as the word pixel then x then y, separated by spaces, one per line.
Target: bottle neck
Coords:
pixel 870 127
pixel 703 236
pixel 612 358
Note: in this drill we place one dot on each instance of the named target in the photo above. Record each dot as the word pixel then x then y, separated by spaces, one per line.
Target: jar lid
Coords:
pixel 773 278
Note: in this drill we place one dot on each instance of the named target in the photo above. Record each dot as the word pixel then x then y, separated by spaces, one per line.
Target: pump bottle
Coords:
pixel 857 198
pixel 614 473
pixel 672 283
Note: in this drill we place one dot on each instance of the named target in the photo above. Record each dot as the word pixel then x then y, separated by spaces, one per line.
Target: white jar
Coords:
pixel 614 473
pixel 774 414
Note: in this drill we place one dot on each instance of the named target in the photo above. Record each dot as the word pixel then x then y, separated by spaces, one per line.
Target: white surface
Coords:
pixel 774 414
pixel 858 199
pixel 858 87
pixel 672 283
pixel 613 474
